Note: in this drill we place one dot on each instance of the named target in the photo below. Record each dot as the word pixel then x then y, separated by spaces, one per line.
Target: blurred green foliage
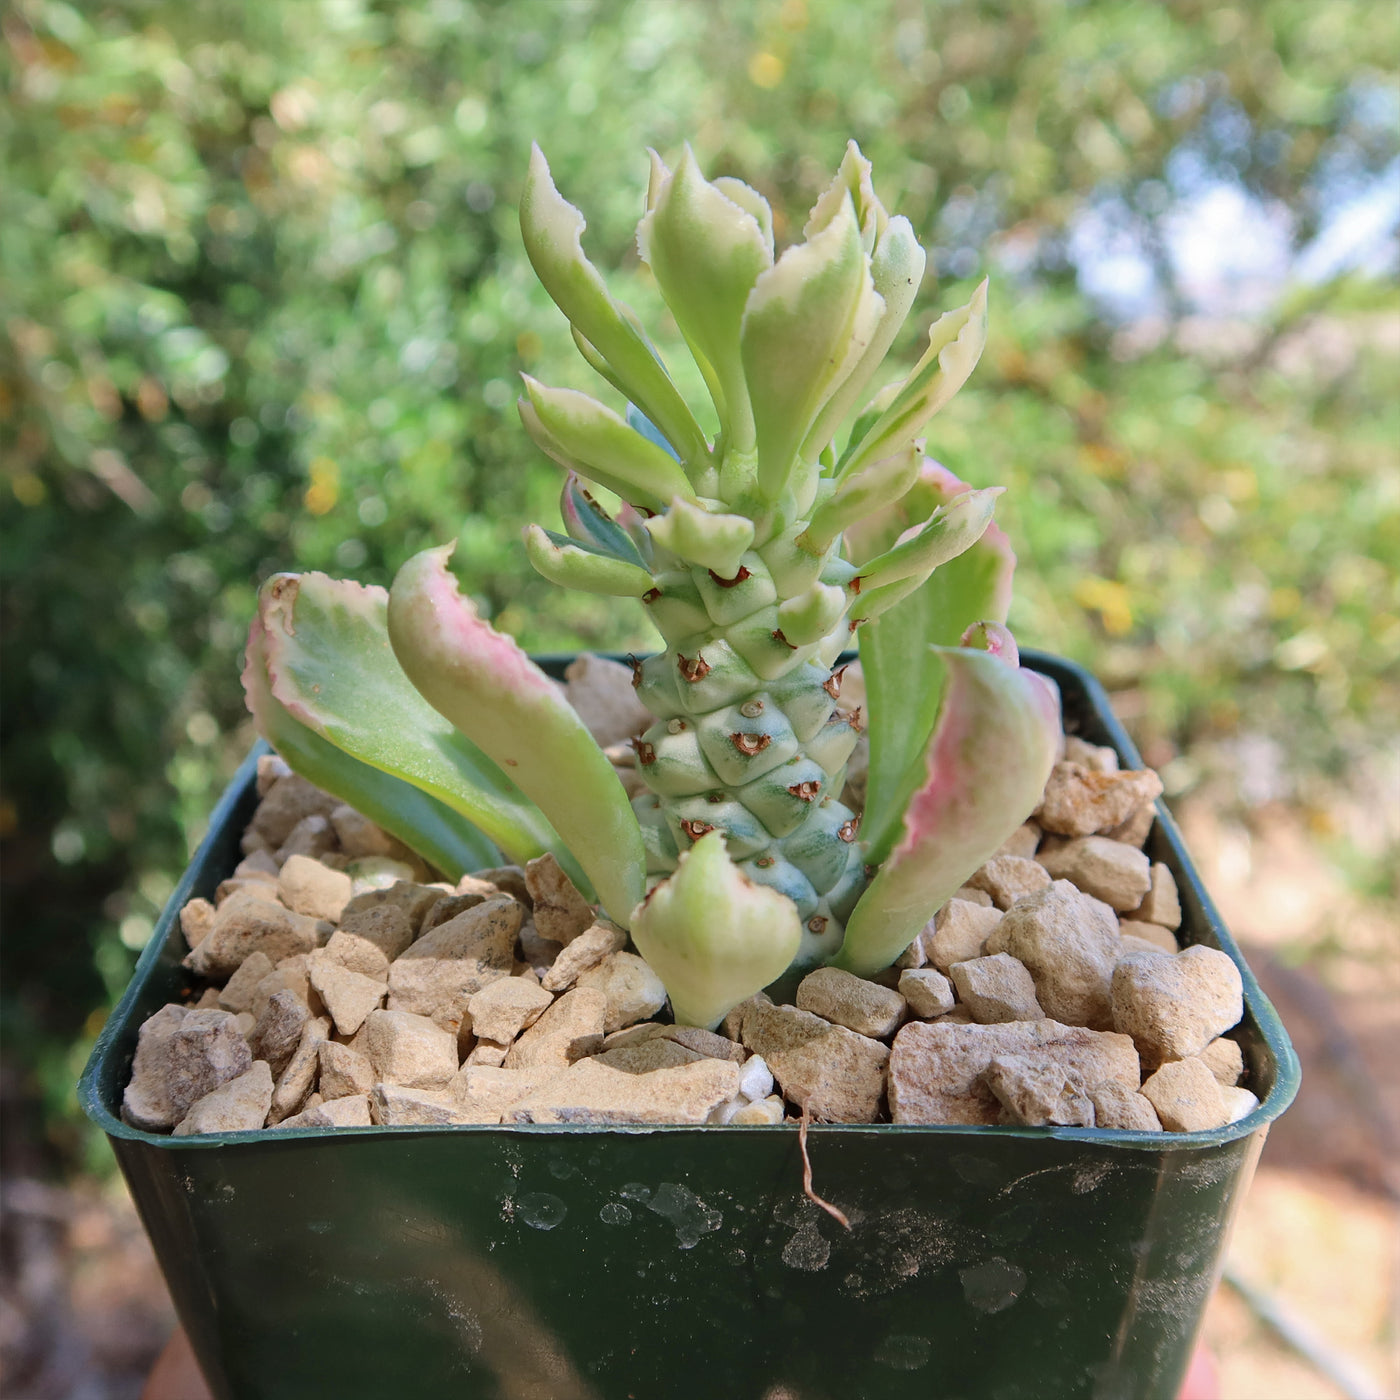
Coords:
pixel 263 305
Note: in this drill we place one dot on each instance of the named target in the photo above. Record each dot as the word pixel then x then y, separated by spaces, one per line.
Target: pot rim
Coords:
pixel 166 942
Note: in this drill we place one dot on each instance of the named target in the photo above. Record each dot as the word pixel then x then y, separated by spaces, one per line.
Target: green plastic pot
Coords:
pixel 666 1263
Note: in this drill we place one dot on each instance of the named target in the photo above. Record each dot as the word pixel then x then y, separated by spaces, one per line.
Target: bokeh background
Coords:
pixel 263 305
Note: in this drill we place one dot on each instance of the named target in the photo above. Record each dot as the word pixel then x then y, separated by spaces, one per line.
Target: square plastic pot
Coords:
pixel 557 1263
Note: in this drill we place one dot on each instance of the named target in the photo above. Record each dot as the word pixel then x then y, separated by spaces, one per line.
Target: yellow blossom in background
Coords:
pixel 29 489
pixel 766 69
pixel 1110 600
pixel 324 490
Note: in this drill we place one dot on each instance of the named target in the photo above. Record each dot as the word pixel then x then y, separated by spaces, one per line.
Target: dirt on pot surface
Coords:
pixel 84 1311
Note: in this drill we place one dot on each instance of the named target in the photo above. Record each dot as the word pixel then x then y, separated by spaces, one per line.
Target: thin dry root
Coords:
pixel 833 1211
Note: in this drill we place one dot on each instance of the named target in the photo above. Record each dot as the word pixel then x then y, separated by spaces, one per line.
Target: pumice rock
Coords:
pixel 246 923
pixel 237 1106
pixel 1162 903
pixel 590 1092
pixel 349 996
pixel 279 1029
pixel 504 1008
pixel 297 1079
pixel 633 991
pixel 1069 943
pixel 835 1073
pixel 343 1070
pixel 1079 801
pixel 1117 874
pixel 385 928
pixel 936 1068
pixel 1035 1094
pixel 859 1005
pixel 1007 878
pixel 394 1106
pixel 960 932
pixel 561 912
pixel 1098 758
pixel 181 1055
pixel 1226 1061
pixel 927 991
pixel 410 1051
pixel 1187 1097
pixel 439 973
pixel 1117 1106
pixel 306 886
pixel 410 898
pixel 349 1112
pixel 996 989
pixel 568 1031
pixel 239 991
pixel 1174 1006
pixel 287 802
pixel 196 919
pixel 356 954
pixel 581 955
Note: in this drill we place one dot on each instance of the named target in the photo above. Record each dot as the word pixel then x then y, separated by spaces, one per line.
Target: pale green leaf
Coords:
pixel 329 668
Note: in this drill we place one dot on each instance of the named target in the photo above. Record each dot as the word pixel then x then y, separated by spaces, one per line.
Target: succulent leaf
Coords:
pixel 853 177
pixel 328 666
pixel 706 251
pixel 443 837
pixel 749 582
pixel 675 606
pixel 713 936
pixel 589 524
pixel 946 534
pixel 586 567
pixel 639 422
pixel 995 638
pixel 904 676
pixel 657 176
pixel 803 317
pixel 482 682
pixel 712 539
pixel 746 197
pixel 552 229
pixel 985 768
pixel 793 565
pixel 955 344
pixel 731 598
pixel 862 494
pixel 812 614
pixel 896 270
pixel 588 438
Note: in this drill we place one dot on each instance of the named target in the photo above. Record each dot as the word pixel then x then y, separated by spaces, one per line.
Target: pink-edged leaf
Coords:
pixel 993 637
pixel 904 674
pixel 484 684
pixel 986 767
pixel 442 836
pixel 324 646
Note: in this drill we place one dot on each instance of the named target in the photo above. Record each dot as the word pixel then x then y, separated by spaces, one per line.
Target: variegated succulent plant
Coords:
pixel 761 556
